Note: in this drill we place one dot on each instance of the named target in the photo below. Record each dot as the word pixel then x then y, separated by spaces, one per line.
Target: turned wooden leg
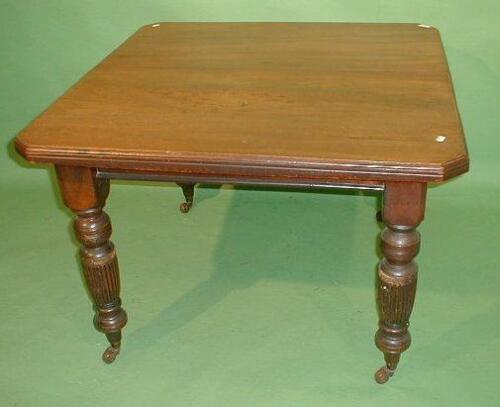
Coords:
pixel 85 195
pixel 404 207
pixel 188 191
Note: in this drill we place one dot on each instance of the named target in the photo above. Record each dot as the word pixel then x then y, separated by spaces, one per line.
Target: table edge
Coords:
pixel 246 165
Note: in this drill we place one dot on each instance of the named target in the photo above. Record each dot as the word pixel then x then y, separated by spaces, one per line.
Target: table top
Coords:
pixel 335 100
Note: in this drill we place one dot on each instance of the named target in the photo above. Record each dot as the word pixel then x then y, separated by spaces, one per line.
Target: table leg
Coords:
pixel 404 207
pixel 85 195
pixel 188 191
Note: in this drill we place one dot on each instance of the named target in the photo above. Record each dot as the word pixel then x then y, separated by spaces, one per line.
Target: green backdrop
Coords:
pixel 254 298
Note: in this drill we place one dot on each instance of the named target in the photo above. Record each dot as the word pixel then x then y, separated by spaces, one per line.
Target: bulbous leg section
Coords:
pixel 188 191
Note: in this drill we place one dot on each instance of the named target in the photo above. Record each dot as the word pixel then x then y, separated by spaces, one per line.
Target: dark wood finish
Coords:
pixel 188 192
pixel 404 207
pixel 356 106
pixel 301 100
pixel 85 195
pixel 235 180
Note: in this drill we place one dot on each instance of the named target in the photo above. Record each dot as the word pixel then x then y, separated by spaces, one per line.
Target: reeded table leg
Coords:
pixel 404 207
pixel 85 196
pixel 188 191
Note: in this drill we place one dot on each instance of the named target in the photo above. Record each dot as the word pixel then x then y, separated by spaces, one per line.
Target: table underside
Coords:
pixel 233 180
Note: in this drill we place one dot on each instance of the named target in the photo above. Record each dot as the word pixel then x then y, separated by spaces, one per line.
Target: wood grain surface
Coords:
pixel 322 100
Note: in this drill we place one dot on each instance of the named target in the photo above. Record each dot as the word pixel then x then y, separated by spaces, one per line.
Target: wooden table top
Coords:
pixel 342 101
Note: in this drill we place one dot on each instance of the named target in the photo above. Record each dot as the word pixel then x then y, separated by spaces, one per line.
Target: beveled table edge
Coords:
pixel 246 165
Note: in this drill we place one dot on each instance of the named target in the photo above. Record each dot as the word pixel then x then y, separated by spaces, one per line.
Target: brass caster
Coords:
pixel 185 207
pixel 383 375
pixel 110 354
pixel 188 192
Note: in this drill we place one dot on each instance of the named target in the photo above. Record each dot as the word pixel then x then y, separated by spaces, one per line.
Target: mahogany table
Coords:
pixel 363 106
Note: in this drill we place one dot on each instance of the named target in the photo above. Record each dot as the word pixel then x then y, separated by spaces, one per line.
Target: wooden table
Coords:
pixel 363 106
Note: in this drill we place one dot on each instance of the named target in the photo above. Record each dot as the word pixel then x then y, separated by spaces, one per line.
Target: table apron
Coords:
pixel 219 180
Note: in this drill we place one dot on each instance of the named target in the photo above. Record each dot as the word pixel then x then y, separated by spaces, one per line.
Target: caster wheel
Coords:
pixel 185 207
pixel 383 375
pixel 110 354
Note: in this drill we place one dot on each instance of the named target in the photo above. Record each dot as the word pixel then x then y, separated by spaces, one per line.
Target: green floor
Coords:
pixel 255 298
